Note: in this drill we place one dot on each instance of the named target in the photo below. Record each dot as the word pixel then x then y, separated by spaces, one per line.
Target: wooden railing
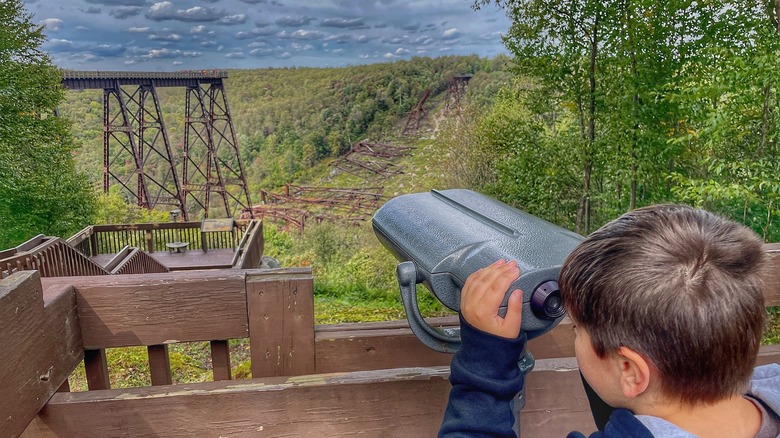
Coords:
pixel 249 252
pixel 134 261
pixel 110 239
pixel 293 391
pixel 52 256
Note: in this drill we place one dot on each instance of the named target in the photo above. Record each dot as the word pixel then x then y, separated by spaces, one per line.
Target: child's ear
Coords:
pixel 634 372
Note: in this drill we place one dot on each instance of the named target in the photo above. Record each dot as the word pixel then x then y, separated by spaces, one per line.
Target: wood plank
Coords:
pixel 220 360
pixel 96 369
pixel 253 249
pixel 372 346
pixel 281 322
pixel 41 345
pixel 354 350
pixel 159 364
pixel 772 291
pixel 151 309
pixel 403 402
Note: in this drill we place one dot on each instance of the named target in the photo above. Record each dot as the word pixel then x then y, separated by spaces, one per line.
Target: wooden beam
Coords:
pixel 401 402
pixel 220 360
pixel 772 283
pixel 40 343
pixel 281 322
pixel 159 364
pixel 373 346
pixel 152 309
pixel 96 369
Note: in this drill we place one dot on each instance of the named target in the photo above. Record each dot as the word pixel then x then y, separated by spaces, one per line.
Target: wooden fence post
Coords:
pixel 220 360
pixel 96 368
pixel 159 364
pixel 280 307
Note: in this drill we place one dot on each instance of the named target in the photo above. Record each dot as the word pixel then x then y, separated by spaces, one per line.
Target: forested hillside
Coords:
pixel 288 120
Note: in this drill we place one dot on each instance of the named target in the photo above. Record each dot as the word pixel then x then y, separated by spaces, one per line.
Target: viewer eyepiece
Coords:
pixel 546 301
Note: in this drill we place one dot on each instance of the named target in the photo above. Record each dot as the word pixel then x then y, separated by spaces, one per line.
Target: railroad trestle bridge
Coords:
pixel 208 177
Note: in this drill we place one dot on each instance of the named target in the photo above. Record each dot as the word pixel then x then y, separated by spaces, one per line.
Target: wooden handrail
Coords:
pixel 131 260
pixel 249 253
pixel 53 258
pixel 110 239
pixel 139 262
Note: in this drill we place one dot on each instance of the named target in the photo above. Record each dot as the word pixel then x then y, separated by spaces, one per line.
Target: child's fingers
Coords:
pixel 514 314
pixel 485 289
pixel 499 283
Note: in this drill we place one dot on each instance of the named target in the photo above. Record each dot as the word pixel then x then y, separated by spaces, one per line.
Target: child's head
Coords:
pixel 679 286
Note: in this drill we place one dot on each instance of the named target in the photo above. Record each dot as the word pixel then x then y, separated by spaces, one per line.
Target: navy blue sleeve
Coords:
pixel 485 379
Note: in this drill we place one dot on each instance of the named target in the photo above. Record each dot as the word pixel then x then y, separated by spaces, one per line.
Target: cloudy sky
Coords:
pixel 202 34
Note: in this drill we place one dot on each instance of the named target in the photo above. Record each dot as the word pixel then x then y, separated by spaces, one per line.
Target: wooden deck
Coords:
pixel 189 260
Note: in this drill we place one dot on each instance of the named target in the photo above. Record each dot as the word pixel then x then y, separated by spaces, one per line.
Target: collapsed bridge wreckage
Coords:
pixel 372 162
pixel 297 204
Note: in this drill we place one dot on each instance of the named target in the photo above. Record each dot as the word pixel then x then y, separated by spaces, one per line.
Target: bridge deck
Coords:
pixel 79 80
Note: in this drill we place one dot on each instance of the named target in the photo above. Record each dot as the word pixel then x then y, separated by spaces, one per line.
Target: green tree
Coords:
pixel 648 96
pixel 40 191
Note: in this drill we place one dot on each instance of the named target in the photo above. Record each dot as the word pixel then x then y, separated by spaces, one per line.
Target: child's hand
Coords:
pixel 481 297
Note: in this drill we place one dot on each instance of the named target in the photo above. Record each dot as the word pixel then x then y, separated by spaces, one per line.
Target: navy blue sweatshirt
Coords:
pixel 485 380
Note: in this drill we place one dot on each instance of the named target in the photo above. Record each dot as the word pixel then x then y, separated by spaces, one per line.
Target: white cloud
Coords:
pixel 288 21
pixel 388 55
pixel 58 43
pixel 167 11
pixel 233 19
pixel 52 24
pixel 139 29
pixel 300 34
pixel 450 33
pixel 342 23
pixel 165 37
pixel 401 51
pixel 167 53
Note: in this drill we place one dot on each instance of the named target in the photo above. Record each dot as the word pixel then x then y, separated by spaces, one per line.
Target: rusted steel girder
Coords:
pixel 456 89
pixel 347 200
pixel 297 204
pixel 381 150
pixel 417 114
pixel 136 150
pixel 212 163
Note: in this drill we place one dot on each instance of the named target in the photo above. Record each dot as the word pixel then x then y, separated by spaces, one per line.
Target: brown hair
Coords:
pixel 680 286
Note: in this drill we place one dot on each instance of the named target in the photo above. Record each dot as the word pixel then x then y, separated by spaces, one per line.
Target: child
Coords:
pixel 668 316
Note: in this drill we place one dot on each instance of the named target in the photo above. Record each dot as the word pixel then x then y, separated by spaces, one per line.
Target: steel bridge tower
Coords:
pixel 137 153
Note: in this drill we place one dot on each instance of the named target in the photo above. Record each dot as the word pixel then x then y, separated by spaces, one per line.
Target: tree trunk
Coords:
pixel 588 168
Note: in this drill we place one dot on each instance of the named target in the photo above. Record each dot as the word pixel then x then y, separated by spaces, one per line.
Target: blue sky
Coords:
pixel 151 35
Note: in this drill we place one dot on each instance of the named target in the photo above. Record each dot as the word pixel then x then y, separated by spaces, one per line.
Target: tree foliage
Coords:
pixel 647 102
pixel 40 191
